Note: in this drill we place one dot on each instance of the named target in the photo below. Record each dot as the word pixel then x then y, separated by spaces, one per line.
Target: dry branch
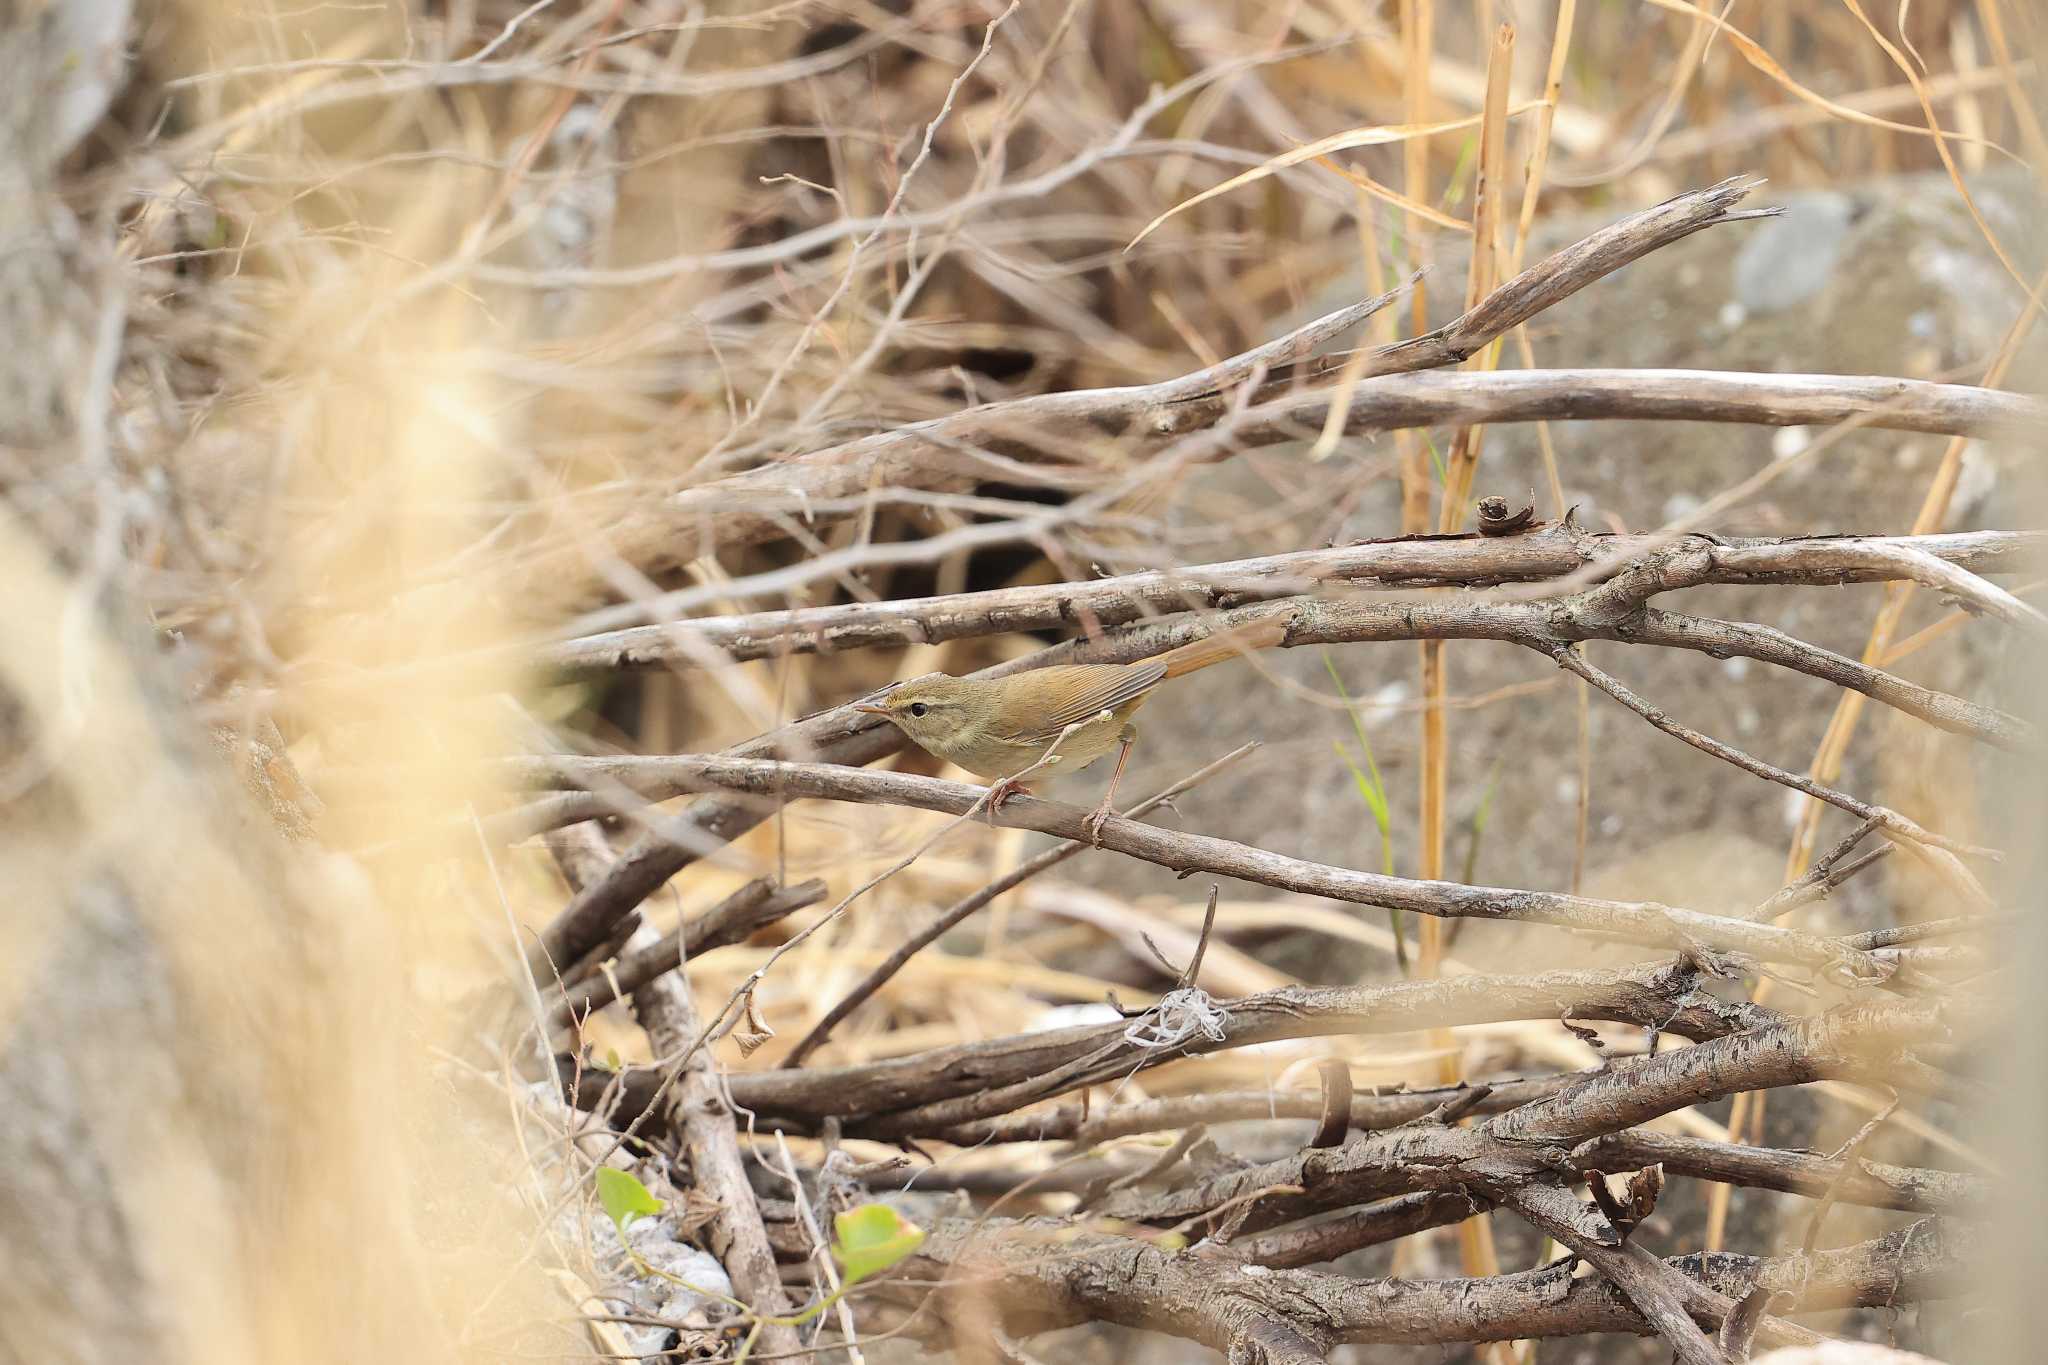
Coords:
pixel 1470 561
pixel 1088 1125
pixel 1489 398
pixel 1872 1183
pixel 1501 1157
pixel 1938 851
pixel 696 1107
pixel 961 910
pixel 1043 1275
pixel 1658 1291
pixel 936 1093
pixel 1196 853
pixel 963 449
pixel 1843 1042
pixel 731 921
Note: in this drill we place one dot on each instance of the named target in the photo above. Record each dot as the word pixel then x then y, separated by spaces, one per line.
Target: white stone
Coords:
pixel 1068 1016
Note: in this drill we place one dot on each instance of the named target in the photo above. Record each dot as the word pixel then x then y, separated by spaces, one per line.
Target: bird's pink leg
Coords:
pixel 1001 790
pixel 1103 811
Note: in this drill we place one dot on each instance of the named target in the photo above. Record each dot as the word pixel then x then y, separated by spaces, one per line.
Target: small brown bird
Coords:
pixel 998 727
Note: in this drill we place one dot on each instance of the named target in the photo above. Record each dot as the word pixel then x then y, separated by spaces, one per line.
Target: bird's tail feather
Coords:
pixel 1263 633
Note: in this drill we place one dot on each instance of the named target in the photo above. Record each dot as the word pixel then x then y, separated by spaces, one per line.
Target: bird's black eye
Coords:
pixel 918 708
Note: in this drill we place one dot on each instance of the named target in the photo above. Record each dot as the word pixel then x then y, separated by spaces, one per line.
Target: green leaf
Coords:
pixel 624 1197
pixel 870 1239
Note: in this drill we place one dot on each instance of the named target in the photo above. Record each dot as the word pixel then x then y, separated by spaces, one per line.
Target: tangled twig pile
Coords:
pixel 362 411
pixel 1199 1245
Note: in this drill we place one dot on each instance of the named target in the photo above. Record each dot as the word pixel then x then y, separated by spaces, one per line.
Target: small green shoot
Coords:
pixel 1373 789
pixel 1463 172
pixel 1479 819
pixel 867 1241
pixel 1477 833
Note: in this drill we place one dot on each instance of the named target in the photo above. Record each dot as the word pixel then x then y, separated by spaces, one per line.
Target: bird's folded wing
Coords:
pixel 1104 692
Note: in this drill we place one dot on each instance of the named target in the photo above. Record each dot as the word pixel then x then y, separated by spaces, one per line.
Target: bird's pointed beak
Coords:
pixel 868 708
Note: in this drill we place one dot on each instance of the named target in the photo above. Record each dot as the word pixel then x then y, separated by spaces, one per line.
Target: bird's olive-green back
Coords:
pixel 996 727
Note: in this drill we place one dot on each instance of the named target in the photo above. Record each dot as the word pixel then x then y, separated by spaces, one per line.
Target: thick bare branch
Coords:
pixel 1416 561
pixel 1510 1149
pixel 1643 1279
pixel 1043 1275
pixel 1842 1043
pixel 1874 1184
pixel 934 1093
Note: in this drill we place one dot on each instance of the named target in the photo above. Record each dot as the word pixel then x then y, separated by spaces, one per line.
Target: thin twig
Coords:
pixel 1938 851
pixel 1185 852
pixel 961 910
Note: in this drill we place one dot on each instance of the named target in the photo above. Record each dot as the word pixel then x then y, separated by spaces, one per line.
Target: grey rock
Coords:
pixel 1792 258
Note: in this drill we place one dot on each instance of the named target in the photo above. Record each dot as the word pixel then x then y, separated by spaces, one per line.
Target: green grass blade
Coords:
pixel 1373 788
